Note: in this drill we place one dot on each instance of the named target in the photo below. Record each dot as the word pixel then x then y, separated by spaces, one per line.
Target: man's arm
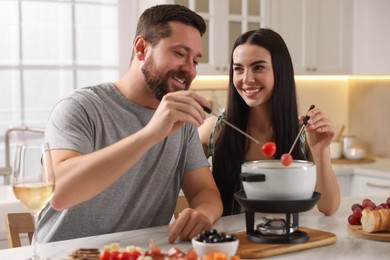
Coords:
pixel 205 206
pixel 92 173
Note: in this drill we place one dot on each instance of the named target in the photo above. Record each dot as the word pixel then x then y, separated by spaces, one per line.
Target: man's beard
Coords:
pixel 158 83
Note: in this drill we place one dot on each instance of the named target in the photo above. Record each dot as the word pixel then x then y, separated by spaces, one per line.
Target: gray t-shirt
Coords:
pixel 145 196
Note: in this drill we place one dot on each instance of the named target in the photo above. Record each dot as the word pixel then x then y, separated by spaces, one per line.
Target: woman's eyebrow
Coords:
pixel 253 63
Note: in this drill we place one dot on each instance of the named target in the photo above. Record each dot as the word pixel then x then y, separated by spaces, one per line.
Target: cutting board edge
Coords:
pixel 329 239
pixel 275 252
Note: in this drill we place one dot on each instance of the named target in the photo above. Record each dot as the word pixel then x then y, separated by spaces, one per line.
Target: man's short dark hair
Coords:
pixel 153 24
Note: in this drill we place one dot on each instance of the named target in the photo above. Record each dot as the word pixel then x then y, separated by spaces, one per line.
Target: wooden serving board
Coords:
pixel 357 161
pixel 250 250
pixel 357 231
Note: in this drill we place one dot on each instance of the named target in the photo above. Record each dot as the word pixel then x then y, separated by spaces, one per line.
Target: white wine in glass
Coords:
pixel 33 181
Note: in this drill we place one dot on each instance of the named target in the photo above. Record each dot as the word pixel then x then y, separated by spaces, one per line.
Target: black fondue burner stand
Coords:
pixel 289 208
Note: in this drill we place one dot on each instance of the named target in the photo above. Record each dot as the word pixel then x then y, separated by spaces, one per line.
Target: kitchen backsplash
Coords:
pixel 369 115
pixel 360 103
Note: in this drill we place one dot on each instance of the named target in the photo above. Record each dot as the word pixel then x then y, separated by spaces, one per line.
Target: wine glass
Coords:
pixel 33 181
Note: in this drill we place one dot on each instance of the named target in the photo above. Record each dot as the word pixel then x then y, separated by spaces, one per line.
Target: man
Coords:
pixel 123 151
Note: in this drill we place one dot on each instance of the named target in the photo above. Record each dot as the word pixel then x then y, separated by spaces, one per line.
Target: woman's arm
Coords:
pixel 204 133
pixel 319 132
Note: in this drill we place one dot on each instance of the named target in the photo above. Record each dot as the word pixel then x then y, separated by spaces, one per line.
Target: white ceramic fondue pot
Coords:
pixel 270 180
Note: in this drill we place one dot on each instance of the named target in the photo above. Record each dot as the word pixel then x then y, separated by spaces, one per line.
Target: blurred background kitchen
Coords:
pixel 340 50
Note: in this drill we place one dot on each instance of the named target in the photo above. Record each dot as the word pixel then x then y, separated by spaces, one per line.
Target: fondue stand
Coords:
pixel 288 232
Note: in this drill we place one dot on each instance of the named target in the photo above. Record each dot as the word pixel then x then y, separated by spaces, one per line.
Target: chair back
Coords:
pixel 17 224
pixel 181 204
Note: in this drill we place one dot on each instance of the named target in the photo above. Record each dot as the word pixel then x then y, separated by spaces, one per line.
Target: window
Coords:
pixel 49 48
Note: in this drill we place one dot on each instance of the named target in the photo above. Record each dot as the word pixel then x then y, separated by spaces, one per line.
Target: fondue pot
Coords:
pixel 270 180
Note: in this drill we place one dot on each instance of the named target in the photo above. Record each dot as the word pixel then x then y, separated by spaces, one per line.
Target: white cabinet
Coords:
pixel 317 33
pixel 362 185
pixel 225 20
pixel 371 49
pixel 367 185
pixel 345 184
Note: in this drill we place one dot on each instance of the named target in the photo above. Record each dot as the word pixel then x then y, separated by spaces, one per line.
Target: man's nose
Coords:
pixel 190 68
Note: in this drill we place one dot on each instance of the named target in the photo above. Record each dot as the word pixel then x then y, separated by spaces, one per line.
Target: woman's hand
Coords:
pixel 320 130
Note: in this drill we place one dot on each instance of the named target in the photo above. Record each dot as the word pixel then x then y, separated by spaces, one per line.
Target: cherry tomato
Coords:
pixel 105 255
pixel 134 255
pixel 268 149
pixel 123 256
pixel 191 255
pixel 114 255
pixel 286 159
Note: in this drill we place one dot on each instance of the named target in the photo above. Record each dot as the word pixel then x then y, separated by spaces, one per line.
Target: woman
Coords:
pixel 262 101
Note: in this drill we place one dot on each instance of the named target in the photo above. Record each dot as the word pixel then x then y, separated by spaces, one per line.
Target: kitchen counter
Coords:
pixel 379 168
pixel 346 246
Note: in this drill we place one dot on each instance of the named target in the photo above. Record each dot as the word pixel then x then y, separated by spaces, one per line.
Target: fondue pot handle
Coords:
pixel 252 177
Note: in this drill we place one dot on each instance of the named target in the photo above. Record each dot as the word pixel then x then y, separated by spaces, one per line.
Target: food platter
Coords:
pixel 357 231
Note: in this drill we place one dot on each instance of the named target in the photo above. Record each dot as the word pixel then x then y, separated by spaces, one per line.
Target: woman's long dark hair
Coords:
pixel 230 147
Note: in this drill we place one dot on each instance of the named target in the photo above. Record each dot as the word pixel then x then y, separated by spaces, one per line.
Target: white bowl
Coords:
pixel 202 249
pixel 355 153
pixel 270 180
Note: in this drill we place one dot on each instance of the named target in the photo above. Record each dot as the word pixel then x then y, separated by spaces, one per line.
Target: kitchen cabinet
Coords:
pixel 371 38
pixel 367 185
pixel 225 20
pixel 345 182
pixel 317 33
pixel 362 185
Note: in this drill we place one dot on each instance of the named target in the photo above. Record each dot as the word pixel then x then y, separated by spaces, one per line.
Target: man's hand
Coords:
pixel 189 224
pixel 175 109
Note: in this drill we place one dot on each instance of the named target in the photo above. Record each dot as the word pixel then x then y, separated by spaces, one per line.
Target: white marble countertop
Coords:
pixel 346 246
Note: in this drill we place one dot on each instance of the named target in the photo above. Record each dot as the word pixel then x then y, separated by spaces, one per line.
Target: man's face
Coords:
pixel 171 64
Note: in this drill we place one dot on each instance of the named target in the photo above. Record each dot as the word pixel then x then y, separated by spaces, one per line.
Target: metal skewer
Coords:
pixel 301 130
pixel 208 110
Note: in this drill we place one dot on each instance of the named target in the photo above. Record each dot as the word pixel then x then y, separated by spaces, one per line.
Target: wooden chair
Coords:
pixel 180 205
pixel 16 224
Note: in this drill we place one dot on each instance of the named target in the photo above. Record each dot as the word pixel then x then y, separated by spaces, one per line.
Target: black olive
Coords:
pixel 213 236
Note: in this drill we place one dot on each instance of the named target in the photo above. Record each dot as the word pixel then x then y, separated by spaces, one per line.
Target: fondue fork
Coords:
pixel 208 110
pixel 301 130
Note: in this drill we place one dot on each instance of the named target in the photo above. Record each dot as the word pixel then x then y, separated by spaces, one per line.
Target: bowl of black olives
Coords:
pixel 212 241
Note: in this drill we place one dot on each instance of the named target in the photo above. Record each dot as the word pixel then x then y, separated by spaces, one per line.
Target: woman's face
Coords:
pixel 253 75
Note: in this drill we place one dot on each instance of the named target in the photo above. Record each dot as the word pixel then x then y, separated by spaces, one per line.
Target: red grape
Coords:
pixel 388 202
pixel 353 220
pixel 368 203
pixel 286 159
pixel 355 206
pixel 268 149
pixel 357 212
